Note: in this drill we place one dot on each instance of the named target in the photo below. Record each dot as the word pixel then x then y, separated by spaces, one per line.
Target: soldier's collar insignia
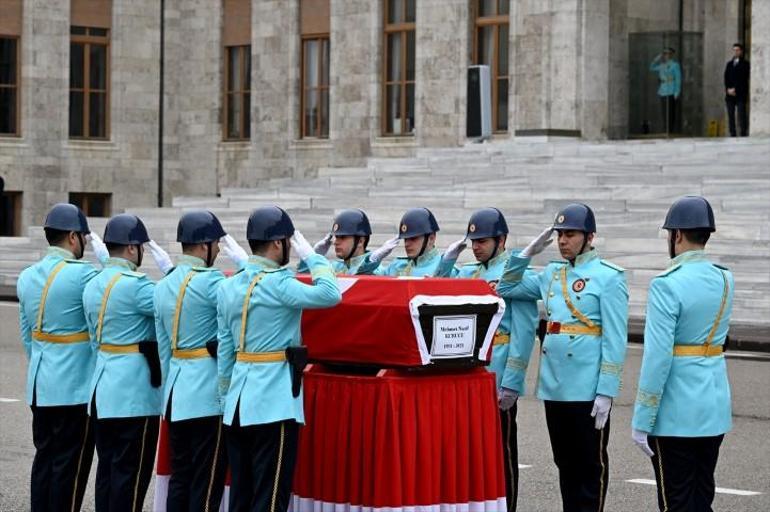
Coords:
pixel 579 285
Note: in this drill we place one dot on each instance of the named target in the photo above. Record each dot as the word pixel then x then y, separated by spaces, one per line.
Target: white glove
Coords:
pixel 454 250
pixel 601 411
pixel 382 252
pixel 506 398
pixel 640 439
pixel 322 246
pixel 161 257
pixel 301 245
pixel 233 251
pixel 100 250
pixel 539 244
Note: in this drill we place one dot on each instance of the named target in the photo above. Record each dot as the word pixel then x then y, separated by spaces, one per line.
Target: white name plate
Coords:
pixel 453 336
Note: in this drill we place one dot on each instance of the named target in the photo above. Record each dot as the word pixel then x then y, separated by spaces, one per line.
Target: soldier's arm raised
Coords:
pixel 226 345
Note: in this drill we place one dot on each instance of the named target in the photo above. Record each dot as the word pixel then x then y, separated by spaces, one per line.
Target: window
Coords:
pixel 10 68
pixel 10 213
pixel 9 86
pixel 314 95
pixel 93 204
pixel 491 48
pixel 89 82
pixel 236 39
pixel 398 68
pixel 237 93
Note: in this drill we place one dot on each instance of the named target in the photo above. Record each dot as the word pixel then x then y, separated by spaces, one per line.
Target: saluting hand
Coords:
pixel 382 252
pixel 454 249
pixel 301 245
pixel 322 246
pixel 161 257
pixel 539 244
pixel 233 250
pixel 100 250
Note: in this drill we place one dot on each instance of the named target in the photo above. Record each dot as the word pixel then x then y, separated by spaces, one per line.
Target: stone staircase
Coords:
pixel 629 184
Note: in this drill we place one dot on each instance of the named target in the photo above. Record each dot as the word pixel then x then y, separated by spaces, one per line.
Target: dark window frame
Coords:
pixel 16 86
pixel 315 132
pixel 87 40
pixel 495 21
pixel 388 28
pixel 244 123
pixel 83 201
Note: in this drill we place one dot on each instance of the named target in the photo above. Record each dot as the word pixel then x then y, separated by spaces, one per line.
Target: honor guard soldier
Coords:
pixel 488 231
pixel 583 351
pixel 260 360
pixel 61 361
pixel 186 328
pixel 682 409
pixel 418 228
pixel 124 394
pixel 350 235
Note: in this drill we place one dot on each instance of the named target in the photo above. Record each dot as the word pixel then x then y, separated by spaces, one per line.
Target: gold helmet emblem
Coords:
pixel 472 228
pixel 403 228
pixel 336 227
pixel 560 219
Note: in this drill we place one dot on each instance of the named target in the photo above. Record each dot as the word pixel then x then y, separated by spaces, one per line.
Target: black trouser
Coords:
pixel 684 469
pixel 198 464
pixel 510 456
pixel 580 453
pixel 668 111
pixel 733 102
pixel 126 449
pixel 262 459
pixel 64 448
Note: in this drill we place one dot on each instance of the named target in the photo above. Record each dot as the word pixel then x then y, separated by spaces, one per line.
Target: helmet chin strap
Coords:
pixel 208 254
pixel 140 255
pixel 284 252
pixel 494 252
pixel 356 238
pixel 422 249
pixel 582 248
pixel 672 243
pixel 82 245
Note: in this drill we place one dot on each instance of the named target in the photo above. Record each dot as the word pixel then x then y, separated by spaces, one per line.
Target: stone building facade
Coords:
pixel 566 72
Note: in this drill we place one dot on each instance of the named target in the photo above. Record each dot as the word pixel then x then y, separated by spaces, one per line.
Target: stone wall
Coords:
pixel 759 123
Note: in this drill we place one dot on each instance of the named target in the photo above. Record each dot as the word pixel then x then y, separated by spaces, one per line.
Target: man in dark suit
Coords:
pixel 737 89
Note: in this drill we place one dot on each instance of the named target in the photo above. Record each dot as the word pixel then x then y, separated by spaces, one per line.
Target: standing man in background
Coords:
pixel 670 78
pixel 737 73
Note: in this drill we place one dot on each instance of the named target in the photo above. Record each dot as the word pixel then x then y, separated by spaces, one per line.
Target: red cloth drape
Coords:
pixel 400 440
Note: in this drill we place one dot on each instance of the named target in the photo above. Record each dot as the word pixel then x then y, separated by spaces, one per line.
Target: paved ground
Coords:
pixel 744 464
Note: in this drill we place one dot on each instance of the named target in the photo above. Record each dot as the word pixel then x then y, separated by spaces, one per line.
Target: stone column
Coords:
pixel 354 76
pixel 759 120
pixel 561 67
pixel 441 70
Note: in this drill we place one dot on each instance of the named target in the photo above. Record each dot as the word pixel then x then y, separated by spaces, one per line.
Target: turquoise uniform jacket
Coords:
pixel 576 367
pixel 424 266
pixel 358 265
pixel 509 360
pixel 273 311
pixel 191 382
pixel 686 395
pixel 121 382
pixel 669 76
pixel 55 337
